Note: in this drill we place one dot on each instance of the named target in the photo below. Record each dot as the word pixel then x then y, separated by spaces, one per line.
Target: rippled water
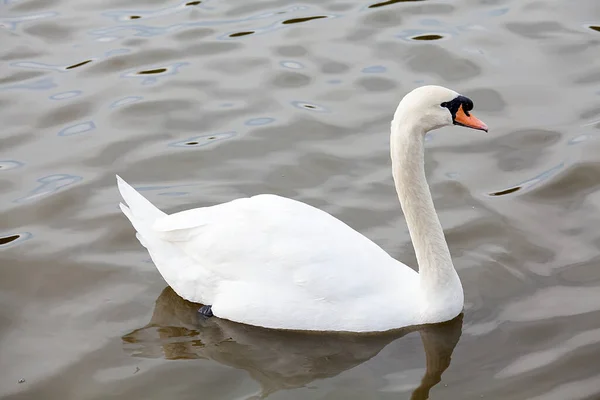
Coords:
pixel 200 102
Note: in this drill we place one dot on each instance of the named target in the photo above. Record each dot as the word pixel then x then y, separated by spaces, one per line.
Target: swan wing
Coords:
pixel 268 238
pixel 280 263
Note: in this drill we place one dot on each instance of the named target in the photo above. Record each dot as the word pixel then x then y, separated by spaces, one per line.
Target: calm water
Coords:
pixel 201 102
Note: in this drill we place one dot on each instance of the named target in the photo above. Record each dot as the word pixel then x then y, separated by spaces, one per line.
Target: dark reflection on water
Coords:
pixel 300 20
pixel 79 64
pixel 151 76
pixel 428 37
pixel 310 107
pixel 238 34
pixel 294 359
pixel 506 191
pixel 533 182
pixel 14 239
pixel 390 2
pixel 204 140
pixel 152 71
pixel 7 239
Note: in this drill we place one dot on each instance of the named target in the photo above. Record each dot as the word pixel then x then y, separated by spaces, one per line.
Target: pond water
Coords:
pixel 200 102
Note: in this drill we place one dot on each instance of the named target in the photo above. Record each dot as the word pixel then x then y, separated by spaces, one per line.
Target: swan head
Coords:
pixel 432 107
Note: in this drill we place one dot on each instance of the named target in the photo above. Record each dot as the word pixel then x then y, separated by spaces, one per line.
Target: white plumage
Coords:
pixel 278 263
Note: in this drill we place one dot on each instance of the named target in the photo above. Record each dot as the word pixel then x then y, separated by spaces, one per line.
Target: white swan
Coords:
pixel 278 263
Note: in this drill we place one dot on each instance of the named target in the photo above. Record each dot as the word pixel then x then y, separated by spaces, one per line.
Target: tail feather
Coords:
pixel 139 206
pixel 170 260
pixel 141 240
pixel 138 225
pixel 126 211
pixel 140 212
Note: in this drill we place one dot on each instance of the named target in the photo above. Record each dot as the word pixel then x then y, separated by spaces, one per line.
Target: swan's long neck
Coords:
pixel 436 271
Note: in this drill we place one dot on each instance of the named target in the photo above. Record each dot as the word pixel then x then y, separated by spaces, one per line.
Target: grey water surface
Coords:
pixel 200 102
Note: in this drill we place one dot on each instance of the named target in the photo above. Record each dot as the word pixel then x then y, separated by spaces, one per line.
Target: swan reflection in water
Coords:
pixel 278 360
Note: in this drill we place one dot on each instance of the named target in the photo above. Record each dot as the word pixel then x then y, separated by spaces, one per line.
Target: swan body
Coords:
pixel 279 263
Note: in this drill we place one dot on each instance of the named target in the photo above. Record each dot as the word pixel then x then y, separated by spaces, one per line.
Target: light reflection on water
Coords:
pixel 150 31
pixel 125 101
pixel 12 23
pixel 10 164
pixel 151 75
pixel 66 95
pixel 38 84
pixel 77 129
pixel 49 185
pixel 532 182
pixel 259 121
pixel 125 15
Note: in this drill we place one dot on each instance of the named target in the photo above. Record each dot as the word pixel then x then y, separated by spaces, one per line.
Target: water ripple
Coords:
pixel 10 164
pixel 259 121
pixel 49 185
pixel 391 2
pixel 543 358
pixel 65 95
pixel 152 75
pixel 124 101
pixel 429 36
pixel 50 67
pixel 291 64
pixel 520 206
pixel 204 140
pixel 578 139
pixel 13 239
pixel 120 31
pixel 301 20
pixel 530 183
pixel 80 64
pixel 375 69
pixel 411 35
pixel 273 26
pixel 11 23
pixel 309 106
pixel 127 15
pixel 35 84
pixel 77 129
pixel 240 34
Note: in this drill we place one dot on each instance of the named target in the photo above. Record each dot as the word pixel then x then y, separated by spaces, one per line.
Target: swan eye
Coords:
pixel 467 103
pixel 456 103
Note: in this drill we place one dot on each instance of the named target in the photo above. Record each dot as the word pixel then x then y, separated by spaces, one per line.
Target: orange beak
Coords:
pixel 470 121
